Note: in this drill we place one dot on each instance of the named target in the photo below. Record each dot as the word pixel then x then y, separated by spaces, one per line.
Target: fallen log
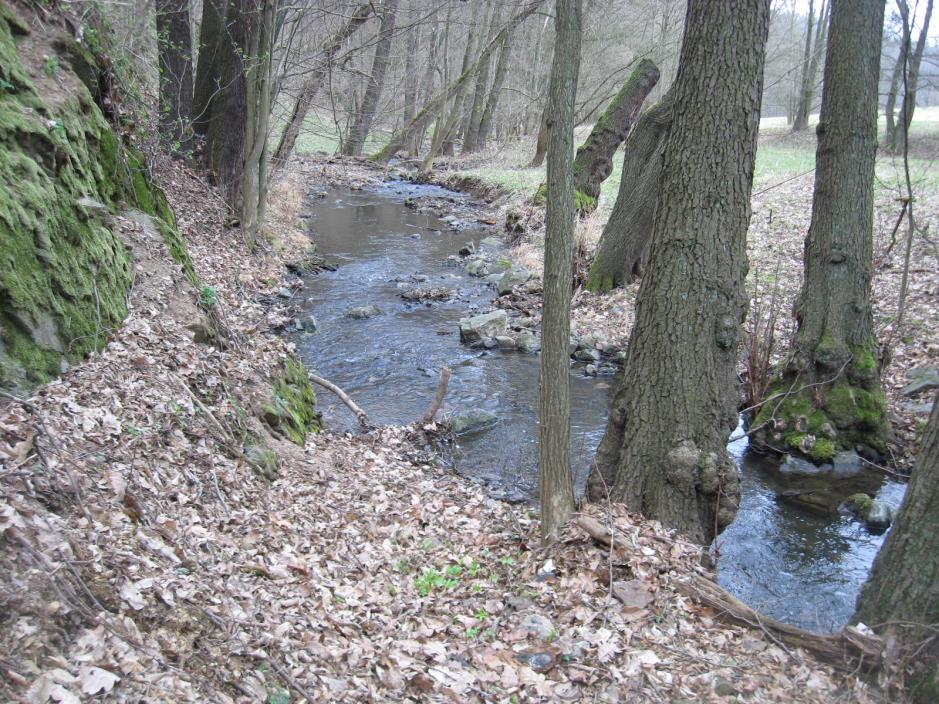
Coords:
pixel 438 398
pixel 850 649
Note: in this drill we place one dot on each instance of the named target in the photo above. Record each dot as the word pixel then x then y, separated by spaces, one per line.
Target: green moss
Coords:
pixel 292 409
pixel 64 275
pixel 598 282
pixel 584 203
pixel 860 504
pixel 824 450
pixel 541 195
pixel 851 406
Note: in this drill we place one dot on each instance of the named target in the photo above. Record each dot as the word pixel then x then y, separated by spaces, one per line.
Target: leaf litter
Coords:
pixel 144 560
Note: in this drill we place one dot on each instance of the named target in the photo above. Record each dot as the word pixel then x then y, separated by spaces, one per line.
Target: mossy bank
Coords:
pixel 64 275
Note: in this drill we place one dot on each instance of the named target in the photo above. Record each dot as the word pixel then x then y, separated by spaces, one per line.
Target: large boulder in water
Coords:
pixel 481 327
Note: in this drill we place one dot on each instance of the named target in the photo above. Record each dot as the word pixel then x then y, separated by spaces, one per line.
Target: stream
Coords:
pixel 797 565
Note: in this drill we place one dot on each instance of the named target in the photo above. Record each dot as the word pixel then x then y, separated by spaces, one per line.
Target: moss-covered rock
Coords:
pixel 291 411
pixel 64 275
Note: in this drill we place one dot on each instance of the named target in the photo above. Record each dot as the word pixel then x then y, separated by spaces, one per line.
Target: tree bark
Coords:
pixel 594 160
pixel 228 107
pixel 901 598
pixel 212 43
pixel 624 245
pixel 664 451
pixel 376 82
pixel 313 83
pixel 471 133
pixel 912 74
pixel 829 396
pixel 557 491
pixel 810 69
pixel 541 142
pixel 175 46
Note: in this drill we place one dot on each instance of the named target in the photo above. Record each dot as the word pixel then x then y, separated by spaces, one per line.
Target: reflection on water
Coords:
pixel 799 566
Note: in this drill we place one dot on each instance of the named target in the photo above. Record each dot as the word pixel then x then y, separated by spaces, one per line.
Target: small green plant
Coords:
pixel 6 86
pixel 481 615
pixel 51 65
pixel 278 695
pixel 473 632
pixel 507 560
pixel 208 297
pixel 403 566
pixel 431 580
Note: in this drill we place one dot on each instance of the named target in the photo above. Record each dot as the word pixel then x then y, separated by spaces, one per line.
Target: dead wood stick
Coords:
pixel 438 399
pixel 343 396
pixel 596 530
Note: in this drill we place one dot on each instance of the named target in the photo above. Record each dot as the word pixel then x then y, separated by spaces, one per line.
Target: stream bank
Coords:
pixel 796 561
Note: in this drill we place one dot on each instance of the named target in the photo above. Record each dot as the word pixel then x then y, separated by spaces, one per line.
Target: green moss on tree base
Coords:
pixel 292 409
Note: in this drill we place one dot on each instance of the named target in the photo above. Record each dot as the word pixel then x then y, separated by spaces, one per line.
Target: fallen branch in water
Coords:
pixel 849 649
pixel 344 397
pixel 438 399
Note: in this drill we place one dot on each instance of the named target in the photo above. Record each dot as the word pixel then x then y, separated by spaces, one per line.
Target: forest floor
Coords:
pixel 144 560
pixel 782 208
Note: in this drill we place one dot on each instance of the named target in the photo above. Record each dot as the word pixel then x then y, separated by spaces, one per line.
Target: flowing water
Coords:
pixel 796 565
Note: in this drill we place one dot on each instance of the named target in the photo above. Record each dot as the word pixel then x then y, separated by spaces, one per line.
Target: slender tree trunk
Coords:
pixel 541 142
pixel 498 81
pixel 807 92
pixel 175 44
pixel 431 108
pixel 901 597
pixel 413 144
pixel 801 120
pixel 212 45
pixel 471 134
pixel 376 82
pixel 624 245
pixel 829 396
pixel 314 81
pixel 594 160
pixel 557 491
pixel 664 451
pixel 890 109
pixel 912 74
pixel 410 71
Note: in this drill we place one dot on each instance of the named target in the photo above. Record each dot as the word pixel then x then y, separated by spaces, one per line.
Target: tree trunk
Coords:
pixel 807 91
pixel 890 109
pixel 541 142
pixel 912 74
pixel 376 82
pixel 313 83
pixel 664 451
pixel 213 41
pixel 410 72
pixel 175 44
pixel 498 81
pixel 901 598
pixel 400 138
pixel 594 160
pixel 624 245
pixel 471 134
pixel 228 107
pixel 829 396
pixel 557 491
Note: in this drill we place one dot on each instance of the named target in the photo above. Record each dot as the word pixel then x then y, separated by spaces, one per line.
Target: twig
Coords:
pixel 438 399
pixel 344 397
pixel 286 676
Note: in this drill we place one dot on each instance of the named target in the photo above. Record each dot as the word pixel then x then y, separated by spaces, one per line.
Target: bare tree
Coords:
pixel 175 44
pixel 810 63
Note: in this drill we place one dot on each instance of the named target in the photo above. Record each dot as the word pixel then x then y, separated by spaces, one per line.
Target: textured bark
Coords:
pixel 594 160
pixel 175 45
pixel 541 143
pixel 376 82
pixel 314 81
pixel 423 117
pixel 813 56
pixel 212 43
pixel 624 245
pixel 901 598
pixel 664 451
pixel 829 396
pixel 557 491
pixel 228 108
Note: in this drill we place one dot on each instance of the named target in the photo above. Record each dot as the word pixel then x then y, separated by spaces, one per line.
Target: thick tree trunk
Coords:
pixel 213 40
pixel 624 245
pixel 423 117
pixel 313 82
pixel 175 43
pixel 228 108
pixel 664 451
pixel 829 397
pixel 901 598
pixel 498 81
pixel 810 71
pixel 376 82
pixel 557 491
pixel 594 160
